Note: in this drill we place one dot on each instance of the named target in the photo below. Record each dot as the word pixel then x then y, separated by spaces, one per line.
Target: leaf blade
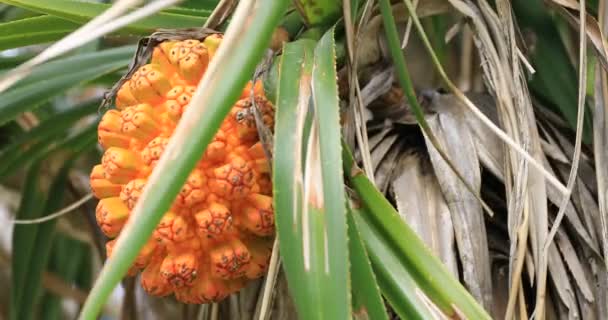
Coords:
pixel 33 30
pixel 80 12
pixel 427 270
pixel 367 301
pixel 327 115
pixel 24 237
pixel 292 102
pixel 57 76
pixel 396 283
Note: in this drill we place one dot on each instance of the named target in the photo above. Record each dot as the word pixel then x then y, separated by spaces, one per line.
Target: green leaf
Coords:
pixel 33 30
pixel 293 99
pixel 410 253
pixel 196 12
pixel 14 158
pixel 77 62
pixel 25 98
pixel 367 301
pixel 394 279
pixel 56 77
pixel 23 240
pixel 83 140
pixel 69 259
pixel 331 236
pixel 12 62
pixel 270 81
pixel 293 24
pixel 200 4
pixel 81 12
pixel 236 61
pixel 43 234
pixel 310 210
pixel 555 78
pixel 319 12
pixel 72 143
pixel 32 242
pixel 84 273
pixel 19 150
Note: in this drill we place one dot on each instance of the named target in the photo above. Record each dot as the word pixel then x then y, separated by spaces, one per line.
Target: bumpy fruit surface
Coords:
pixel 218 233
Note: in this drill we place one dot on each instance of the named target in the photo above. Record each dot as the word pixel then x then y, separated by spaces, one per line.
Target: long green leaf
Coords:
pixel 367 301
pixel 25 98
pixel 72 143
pixel 329 212
pixel 78 62
pixel 43 234
pixel 84 273
pixel 397 285
pixel 32 242
pixel 69 258
pixel 203 10
pixel 25 145
pixel 16 158
pixel 199 4
pixel 54 123
pixel 33 30
pixel 426 269
pixel 219 89
pixel 308 222
pixel 294 72
pixel 57 76
pixel 555 78
pixel 319 12
pixel 80 12
pixel 23 239
pixel 12 62
pixel 309 217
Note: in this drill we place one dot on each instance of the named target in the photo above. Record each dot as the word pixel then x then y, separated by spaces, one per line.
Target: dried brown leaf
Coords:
pixel 420 202
pixel 453 135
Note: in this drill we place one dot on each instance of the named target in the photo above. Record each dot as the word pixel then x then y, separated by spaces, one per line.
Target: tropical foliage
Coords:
pixel 430 159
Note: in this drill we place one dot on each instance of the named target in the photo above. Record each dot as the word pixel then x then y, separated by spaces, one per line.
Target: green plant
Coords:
pixel 390 197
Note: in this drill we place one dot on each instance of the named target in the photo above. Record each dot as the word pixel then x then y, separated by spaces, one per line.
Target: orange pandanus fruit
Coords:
pixel 219 231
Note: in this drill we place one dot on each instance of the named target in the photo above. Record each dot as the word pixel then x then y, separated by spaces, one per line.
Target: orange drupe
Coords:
pixel 218 233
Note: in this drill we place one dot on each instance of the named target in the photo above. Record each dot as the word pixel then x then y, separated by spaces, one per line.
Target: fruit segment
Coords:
pixel 103 188
pixel 111 215
pixel 219 231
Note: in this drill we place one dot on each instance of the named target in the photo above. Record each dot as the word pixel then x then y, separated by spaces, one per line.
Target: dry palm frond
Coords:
pixel 600 135
pixel 419 191
pixel 402 167
pixel 426 210
pixel 450 126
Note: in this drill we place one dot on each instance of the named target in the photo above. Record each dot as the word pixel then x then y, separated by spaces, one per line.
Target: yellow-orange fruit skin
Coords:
pixel 131 192
pixel 152 280
pixel 111 214
pixel 214 221
pixel 149 84
pixel 146 254
pixel 120 165
pixel 140 122
pixel 172 229
pixel 260 250
pixel 258 215
pixel 229 260
pixel 110 133
pixel 219 231
pixel 180 269
pixel 124 96
pixel 103 188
